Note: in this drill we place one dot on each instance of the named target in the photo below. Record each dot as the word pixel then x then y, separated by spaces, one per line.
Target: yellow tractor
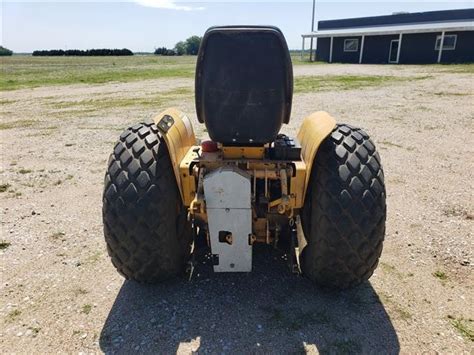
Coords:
pixel 321 195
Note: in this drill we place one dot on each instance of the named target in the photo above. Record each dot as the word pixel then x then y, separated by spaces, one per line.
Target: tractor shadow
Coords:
pixel 266 311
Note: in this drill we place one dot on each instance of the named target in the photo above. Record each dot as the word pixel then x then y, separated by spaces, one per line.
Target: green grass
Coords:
pixel 456 68
pixel 390 269
pixel 16 124
pixel 403 313
pixel 24 71
pixel 304 84
pixel 7 102
pixel 29 72
pixel 440 275
pixel 4 187
pixel 296 58
pixel 14 315
pixel 93 258
pixel 458 211
pixel 4 244
pixel 463 326
pixel 393 306
pixel 58 235
pixel 86 309
pixel 103 103
pixel 34 331
pixel 391 144
pixel 46 132
pixel 80 291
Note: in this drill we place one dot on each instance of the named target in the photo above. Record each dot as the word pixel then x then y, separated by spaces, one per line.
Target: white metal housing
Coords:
pixel 227 192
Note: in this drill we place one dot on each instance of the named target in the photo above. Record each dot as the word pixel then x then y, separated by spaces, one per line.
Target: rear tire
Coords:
pixel 344 212
pixel 148 237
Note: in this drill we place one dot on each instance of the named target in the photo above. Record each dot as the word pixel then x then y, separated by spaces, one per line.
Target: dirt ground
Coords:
pixel 60 293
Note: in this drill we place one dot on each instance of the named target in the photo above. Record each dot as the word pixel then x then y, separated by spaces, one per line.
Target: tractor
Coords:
pixel 319 195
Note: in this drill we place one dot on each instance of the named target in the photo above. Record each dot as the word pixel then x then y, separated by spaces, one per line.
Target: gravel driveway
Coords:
pixel 60 293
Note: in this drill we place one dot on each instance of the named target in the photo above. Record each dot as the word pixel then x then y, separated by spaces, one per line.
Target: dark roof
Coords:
pixel 403 18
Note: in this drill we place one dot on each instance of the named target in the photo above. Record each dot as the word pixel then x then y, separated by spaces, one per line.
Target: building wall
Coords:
pixel 417 48
pixel 338 54
pixel 377 49
pixel 464 52
pixel 322 49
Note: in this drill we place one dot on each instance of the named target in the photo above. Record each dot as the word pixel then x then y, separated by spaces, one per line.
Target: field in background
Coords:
pixel 28 72
pixel 60 120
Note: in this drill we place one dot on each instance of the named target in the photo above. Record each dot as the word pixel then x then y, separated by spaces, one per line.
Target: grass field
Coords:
pixel 20 72
pixel 28 72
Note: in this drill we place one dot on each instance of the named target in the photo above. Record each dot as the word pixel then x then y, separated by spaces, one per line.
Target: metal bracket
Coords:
pixel 192 260
pixel 301 240
pixel 293 260
pixel 191 264
pixel 165 124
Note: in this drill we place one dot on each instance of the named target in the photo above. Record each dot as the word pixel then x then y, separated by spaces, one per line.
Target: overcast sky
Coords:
pixel 142 25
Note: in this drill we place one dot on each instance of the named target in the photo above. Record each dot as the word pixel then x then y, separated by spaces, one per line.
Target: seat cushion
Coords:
pixel 244 84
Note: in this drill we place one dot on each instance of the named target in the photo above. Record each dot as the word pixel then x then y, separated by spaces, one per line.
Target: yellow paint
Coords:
pixel 297 185
pixel 259 228
pixel 315 128
pixel 188 181
pixel 243 152
pixel 179 139
pixel 275 203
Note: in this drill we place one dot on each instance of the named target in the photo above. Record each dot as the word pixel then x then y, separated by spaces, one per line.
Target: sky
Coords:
pixel 142 25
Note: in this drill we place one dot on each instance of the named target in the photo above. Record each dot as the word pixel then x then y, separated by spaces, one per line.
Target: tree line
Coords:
pixel 188 47
pixel 85 53
pixel 5 51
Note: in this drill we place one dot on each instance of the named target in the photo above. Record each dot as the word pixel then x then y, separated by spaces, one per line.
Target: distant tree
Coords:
pixel 52 52
pixel 189 47
pixel 74 52
pixel 160 50
pixel 5 51
pixel 192 45
pixel 108 52
pixel 88 53
pixel 165 51
pixel 180 48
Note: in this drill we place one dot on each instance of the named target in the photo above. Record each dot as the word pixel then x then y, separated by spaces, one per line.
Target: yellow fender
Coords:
pixel 315 128
pixel 178 134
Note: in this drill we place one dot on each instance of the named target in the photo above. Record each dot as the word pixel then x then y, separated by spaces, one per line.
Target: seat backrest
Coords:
pixel 244 84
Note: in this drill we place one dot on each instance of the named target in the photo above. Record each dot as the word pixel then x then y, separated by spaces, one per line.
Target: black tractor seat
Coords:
pixel 244 84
